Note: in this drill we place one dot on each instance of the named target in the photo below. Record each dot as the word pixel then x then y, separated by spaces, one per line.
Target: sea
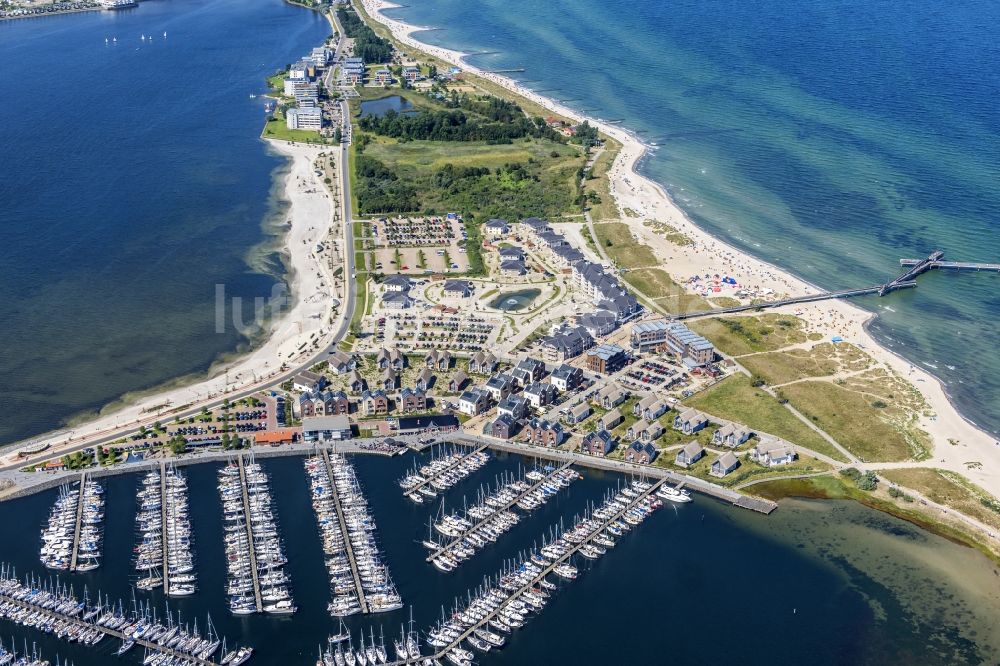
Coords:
pixel 829 138
pixel 828 582
pixel 133 181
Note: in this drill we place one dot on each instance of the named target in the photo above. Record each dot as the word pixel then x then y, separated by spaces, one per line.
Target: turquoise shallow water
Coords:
pixel 132 181
pixel 829 138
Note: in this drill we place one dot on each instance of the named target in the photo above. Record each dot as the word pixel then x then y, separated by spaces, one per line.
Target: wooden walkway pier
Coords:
pixel 254 573
pixel 447 469
pixel 79 522
pixel 547 570
pixel 359 589
pixel 478 526
pixel 181 657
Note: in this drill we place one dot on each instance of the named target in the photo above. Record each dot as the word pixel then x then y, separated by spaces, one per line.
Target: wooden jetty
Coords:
pixel 254 573
pixel 447 469
pixel 504 71
pixel 359 589
pixel 479 525
pixel 79 522
pixel 547 570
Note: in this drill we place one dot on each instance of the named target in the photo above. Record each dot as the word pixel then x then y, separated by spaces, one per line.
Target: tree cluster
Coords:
pixel 367 45
pixel 379 189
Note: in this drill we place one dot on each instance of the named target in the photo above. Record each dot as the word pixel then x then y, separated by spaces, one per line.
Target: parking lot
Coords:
pixel 419 245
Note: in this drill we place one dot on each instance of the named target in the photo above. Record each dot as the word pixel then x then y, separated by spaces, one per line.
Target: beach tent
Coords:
pixel 837 338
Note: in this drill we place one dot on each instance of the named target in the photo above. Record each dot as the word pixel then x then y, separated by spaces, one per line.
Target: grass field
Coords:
pixel 606 209
pixel 951 490
pixel 736 400
pixel 869 432
pixel 746 335
pixel 435 154
pixel 621 247
pixel 682 303
pixel 822 360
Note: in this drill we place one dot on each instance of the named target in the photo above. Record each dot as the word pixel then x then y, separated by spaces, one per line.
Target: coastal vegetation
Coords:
pixel 622 248
pixel 464 118
pixel 449 157
pixel 822 360
pixel 367 44
pixel 737 336
pixel 735 399
pixel 835 486
pixel 852 418
pixel 951 490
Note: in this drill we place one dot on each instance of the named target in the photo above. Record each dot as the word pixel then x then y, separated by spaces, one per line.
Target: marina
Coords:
pixel 71 539
pixel 375 590
pixel 483 523
pixel 164 554
pixel 55 610
pixel 522 589
pixel 442 473
pixel 255 557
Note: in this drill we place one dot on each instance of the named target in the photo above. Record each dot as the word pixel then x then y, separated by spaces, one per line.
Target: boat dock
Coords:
pixel 362 600
pixel 548 569
pixel 254 573
pixel 163 525
pixel 444 470
pixel 55 616
pixel 79 523
pixel 490 518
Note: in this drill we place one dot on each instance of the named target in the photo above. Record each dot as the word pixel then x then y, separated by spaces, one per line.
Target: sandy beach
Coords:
pixel 306 318
pixel 708 255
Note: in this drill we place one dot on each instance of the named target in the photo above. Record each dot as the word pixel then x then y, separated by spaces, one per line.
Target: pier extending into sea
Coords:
pixel 906 280
pixel 254 573
pixel 479 525
pixel 79 523
pixel 358 587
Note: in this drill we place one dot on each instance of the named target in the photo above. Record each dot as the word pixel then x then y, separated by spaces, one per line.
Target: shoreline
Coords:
pixel 291 335
pixel 709 254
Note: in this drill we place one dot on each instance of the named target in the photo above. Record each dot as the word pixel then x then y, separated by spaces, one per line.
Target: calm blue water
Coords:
pixel 824 582
pixel 831 138
pixel 132 181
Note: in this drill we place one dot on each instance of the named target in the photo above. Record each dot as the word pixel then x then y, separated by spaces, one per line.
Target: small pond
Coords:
pixel 512 301
pixel 379 107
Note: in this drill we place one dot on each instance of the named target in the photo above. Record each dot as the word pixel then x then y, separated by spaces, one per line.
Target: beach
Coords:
pixel 956 441
pixel 305 325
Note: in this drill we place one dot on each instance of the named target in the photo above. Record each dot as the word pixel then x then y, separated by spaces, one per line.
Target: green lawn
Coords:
pixel 736 400
pixel 745 335
pixel 276 129
pixel 869 432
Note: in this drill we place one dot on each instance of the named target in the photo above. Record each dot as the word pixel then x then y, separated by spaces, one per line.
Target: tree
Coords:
pixel 178 445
